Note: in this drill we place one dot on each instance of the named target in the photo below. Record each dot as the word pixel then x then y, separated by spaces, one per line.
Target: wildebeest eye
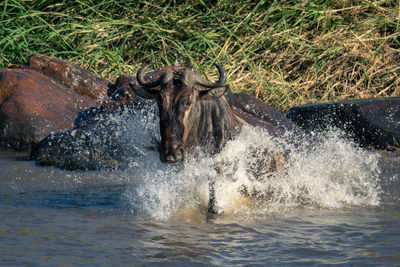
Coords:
pixel 184 102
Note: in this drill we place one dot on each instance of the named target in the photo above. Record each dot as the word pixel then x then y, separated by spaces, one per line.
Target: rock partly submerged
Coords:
pixel 372 123
pixel 33 105
pixel 42 97
pixel 100 139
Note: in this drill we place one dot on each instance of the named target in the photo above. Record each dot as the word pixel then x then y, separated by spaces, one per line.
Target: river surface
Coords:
pixel 336 204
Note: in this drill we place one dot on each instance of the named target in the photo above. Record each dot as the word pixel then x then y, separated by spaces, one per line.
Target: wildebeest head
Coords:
pixel 180 95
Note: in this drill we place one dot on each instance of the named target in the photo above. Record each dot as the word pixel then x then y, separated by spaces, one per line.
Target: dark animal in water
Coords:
pixel 194 112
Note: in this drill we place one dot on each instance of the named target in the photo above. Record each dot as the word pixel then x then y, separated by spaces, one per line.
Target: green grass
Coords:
pixel 284 52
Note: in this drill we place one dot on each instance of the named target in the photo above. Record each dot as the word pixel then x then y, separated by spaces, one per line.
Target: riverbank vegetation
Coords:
pixel 286 53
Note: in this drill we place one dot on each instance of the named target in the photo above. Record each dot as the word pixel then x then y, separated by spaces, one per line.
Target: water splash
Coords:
pixel 333 173
pixel 330 173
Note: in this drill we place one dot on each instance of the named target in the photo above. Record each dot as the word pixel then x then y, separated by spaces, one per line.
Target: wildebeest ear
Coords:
pixel 213 93
pixel 143 92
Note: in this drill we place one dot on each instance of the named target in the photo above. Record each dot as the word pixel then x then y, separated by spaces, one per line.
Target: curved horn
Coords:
pixel 221 79
pixel 140 77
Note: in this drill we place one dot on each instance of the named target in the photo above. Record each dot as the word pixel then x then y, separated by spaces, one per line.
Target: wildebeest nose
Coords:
pixel 174 156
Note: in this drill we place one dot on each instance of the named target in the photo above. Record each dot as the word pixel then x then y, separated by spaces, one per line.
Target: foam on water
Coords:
pixel 330 173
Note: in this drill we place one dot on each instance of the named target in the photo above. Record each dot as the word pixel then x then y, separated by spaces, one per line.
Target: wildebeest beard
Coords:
pixel 193 112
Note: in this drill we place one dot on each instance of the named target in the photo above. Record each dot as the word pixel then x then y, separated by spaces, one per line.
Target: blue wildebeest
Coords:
pixel 194 112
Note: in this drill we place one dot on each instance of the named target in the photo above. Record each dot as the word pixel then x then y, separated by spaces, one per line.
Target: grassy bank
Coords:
pixel 284 52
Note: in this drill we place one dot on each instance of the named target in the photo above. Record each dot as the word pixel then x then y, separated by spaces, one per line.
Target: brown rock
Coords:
pixel 33 105
pixel 71 76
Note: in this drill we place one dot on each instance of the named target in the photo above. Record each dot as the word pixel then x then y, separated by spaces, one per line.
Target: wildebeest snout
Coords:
pixel 171 154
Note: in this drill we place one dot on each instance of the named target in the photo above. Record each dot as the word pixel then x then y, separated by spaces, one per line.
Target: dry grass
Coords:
pixel 286 53
pixel 352 61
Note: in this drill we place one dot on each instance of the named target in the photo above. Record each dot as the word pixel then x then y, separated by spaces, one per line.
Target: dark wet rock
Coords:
pixel 33 105
pixel 370 122
pixel 85 116
pixel 257 113
pixel 100 141
pixel 83 148
pixel 71 76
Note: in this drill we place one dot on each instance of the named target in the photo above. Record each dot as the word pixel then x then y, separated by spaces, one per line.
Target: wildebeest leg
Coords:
pixel 212 208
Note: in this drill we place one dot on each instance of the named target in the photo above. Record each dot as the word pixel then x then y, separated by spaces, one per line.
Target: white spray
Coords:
pixel 332 173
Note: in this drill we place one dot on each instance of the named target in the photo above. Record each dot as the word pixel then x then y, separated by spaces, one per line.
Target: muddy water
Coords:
pixel 335 204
